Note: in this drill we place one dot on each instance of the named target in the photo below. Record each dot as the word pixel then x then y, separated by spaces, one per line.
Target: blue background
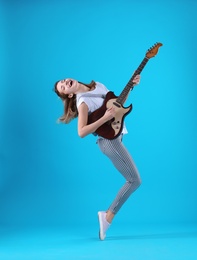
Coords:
pixel 48 175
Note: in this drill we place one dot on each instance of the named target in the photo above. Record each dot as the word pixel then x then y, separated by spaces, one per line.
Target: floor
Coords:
pixel 147 243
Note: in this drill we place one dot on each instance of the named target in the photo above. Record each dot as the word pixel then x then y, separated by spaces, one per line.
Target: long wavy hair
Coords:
pixel 70 106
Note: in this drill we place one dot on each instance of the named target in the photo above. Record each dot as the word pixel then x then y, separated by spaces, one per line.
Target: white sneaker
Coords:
pixel 103 224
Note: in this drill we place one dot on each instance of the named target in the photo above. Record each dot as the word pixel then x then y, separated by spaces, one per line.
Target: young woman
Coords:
pixel 80 100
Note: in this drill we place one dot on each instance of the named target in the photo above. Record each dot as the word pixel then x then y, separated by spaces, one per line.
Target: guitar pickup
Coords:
pixel 115 123
pixel 116 104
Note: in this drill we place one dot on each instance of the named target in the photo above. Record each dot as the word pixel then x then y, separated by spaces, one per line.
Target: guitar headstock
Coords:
pixel 153 50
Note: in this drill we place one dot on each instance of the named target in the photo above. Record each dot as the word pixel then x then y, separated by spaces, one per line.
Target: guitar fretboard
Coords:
pixel 122 97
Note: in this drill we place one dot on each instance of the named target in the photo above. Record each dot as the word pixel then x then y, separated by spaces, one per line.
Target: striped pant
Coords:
pixel 120 157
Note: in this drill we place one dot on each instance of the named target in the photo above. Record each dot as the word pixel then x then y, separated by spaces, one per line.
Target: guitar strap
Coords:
pixel 93 95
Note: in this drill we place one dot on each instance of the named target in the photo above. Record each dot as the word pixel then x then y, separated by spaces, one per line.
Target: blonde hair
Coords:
pixel 70 106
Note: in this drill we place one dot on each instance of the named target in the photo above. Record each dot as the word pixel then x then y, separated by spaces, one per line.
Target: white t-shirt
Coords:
pixel 94 99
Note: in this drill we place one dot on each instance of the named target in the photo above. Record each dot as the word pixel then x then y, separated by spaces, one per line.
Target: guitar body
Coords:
pixel 113 128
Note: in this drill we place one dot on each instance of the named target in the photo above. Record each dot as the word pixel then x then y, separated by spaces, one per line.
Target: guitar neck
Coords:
pixel 121 99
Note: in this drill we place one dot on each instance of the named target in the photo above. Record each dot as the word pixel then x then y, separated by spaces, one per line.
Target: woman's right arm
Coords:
pixel 85 129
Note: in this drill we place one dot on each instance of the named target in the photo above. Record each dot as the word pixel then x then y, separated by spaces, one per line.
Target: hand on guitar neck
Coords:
pixel 136 80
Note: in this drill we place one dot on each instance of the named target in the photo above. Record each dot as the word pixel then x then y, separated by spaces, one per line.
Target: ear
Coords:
pixel 70 95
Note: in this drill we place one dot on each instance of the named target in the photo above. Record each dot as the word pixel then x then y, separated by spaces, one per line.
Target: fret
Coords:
pixel 122 97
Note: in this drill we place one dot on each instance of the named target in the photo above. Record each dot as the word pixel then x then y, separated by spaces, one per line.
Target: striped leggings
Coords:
pixel 120 157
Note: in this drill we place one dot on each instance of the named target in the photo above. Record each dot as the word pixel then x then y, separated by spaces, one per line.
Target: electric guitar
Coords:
pixel 113 128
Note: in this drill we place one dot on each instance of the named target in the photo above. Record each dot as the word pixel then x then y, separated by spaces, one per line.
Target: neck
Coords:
pixel 82 88
pixel 85 87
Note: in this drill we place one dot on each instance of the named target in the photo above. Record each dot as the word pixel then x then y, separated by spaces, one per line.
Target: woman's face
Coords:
pixel 67 86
